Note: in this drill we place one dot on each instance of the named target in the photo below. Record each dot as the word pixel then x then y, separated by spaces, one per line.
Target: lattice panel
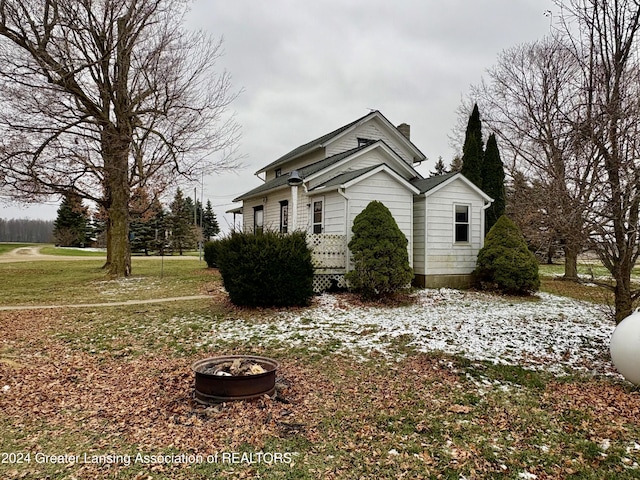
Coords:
pixel 323 282
pixel 328 251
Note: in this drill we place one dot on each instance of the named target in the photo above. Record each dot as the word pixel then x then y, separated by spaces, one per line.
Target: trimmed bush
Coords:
pixel 267 269
pixel 379 248
pixel 505 263
pixel 211 253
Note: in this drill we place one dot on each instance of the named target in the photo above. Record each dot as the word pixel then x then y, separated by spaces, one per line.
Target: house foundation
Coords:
pixel 443 281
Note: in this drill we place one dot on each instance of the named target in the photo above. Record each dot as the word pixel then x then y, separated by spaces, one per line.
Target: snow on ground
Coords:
pixel 547 332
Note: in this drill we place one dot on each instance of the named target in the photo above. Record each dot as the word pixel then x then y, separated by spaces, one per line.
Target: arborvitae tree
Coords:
pixel 210 227
pixel 493 182
pixel 472 151
pixel 380 256
pixel 440 168
pixel 72 223
pixel 181 223
pixel 505 263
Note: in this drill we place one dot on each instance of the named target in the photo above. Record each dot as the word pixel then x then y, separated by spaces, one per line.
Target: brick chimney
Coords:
pixel 405 130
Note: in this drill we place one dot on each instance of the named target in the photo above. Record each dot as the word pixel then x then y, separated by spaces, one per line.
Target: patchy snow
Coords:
pixel 547 332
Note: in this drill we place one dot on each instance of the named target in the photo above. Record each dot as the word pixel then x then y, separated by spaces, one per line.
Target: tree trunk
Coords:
pixel 570 263
pixel 115 152
pixel 623 301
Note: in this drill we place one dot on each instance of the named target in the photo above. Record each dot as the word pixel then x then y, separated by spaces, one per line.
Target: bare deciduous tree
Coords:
pixel 610 64
pixel 532 100
pixel 102 96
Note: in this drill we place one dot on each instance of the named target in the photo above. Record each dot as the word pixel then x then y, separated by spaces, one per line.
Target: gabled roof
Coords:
pixel 427 186
pixel 354 176
pixel 324 139
pixel 304 172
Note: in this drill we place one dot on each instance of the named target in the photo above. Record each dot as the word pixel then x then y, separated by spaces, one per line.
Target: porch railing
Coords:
pixel 328 252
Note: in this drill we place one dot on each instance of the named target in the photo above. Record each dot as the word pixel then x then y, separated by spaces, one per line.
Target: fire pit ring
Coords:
pixel 211 388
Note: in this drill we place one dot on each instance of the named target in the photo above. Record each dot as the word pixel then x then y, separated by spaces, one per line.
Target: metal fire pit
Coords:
pixel 212 388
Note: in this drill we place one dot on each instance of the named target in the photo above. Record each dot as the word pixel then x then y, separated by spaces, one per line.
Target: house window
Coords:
pixel 284 216
pixel 318 212
pixel 461 223
pixel 364 141
pixel 258 219
pixel 278 172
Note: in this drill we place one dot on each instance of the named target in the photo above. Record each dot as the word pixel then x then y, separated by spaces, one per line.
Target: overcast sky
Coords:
pixel 306 68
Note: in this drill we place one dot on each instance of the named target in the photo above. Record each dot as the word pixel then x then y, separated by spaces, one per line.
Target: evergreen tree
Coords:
pixel 71 227
pixel 472 151
pixel 142 213
pixel 505 262
pixel 493 182
pixel 440 168
pixel 183 235
pixel 380 257
pixel 210 227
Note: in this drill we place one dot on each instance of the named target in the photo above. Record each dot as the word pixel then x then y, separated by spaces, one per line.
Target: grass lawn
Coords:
pixel 7 247
pixel 111 388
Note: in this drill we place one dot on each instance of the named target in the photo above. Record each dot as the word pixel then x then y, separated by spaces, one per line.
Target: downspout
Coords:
pixel 487 204
pixel 342 191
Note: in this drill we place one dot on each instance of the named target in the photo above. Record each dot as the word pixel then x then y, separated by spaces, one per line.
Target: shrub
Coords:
pixel 380 257
pixel 505 263
pixel 211 253
pixel 267 269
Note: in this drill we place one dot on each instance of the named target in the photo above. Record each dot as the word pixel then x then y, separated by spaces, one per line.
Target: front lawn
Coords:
pixel 457 385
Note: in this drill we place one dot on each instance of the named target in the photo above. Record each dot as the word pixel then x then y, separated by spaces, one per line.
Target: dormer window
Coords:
pixel 362 142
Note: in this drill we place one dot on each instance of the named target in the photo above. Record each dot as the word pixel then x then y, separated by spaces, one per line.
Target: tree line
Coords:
pixel 153 228
pixel 25 230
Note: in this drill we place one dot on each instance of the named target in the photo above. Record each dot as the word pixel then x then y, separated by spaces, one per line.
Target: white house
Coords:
pixel 321 186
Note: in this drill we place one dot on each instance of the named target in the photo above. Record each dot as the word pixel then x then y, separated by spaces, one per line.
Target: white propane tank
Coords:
pixel 625 347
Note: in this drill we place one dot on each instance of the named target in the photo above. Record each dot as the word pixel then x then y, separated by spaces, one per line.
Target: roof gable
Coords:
pixel 429 186
pixel 353 177
pixel 335 135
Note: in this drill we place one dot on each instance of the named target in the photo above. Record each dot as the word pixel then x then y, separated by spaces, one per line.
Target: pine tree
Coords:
pixel 493 182
pixel 472 151
pixel 181 222
pixel 71 227
pixel 440 168
pixel 210 225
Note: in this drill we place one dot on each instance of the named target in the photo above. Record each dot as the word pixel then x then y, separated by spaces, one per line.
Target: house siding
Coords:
pixel 419 222
pixel 364 160
pixel 382 187
pixel 372 130
pixel 443 255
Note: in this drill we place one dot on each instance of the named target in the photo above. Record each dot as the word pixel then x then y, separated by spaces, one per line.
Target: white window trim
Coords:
pixel 455 223
pixel 313 224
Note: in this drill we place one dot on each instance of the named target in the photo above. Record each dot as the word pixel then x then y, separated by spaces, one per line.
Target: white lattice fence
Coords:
pixel 329 252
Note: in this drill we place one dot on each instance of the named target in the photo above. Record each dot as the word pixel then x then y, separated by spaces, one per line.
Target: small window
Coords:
pixel 278 172
pixel 362 142
pixel 284 216
pixel 258 219
pixel 462 223
pixel 317 216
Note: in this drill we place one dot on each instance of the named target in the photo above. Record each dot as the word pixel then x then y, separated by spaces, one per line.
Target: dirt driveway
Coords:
pixel 31 254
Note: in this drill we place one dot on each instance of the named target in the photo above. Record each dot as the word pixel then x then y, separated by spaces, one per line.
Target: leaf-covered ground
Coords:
pixel 112 389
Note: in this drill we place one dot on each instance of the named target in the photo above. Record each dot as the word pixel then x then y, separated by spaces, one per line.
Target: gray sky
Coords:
pixel 306 68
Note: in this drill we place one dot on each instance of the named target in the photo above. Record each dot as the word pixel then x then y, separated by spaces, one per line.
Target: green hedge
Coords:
pixel 211 253
pixel 505 263
pixel 267 269
pixel 380 256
